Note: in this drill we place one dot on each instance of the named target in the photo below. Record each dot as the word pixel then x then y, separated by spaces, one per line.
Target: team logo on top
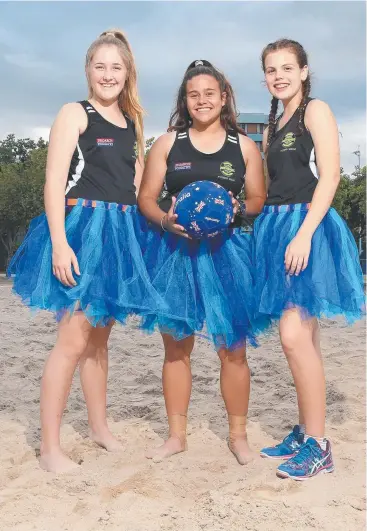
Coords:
pixel 227 169
pixel 182 166
pixel 105 142
pixel 288 140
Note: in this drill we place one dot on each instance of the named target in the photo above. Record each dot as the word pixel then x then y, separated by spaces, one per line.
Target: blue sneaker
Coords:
pixel 309 461
pixel 287 448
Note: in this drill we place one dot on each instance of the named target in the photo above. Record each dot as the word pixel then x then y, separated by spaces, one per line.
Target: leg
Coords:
pixel 300 342
pixel 316 343
pixel 93 368
pixel 72 339
pixel 177 382
pixel 235 387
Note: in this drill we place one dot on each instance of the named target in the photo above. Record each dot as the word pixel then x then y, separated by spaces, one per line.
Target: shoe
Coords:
pixel 287 448
pixel 309 461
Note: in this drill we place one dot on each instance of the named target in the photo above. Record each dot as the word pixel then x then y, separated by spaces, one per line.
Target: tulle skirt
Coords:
pixel 207 285
pixel 331 284
pixel 113 283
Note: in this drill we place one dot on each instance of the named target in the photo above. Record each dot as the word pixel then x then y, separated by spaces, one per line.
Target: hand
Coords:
pixel 169 222
pixel 63 258
pixel 235 204
pixel 296 255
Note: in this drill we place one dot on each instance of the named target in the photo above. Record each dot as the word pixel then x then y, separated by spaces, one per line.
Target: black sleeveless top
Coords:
pixel 291 164
pixel 103 164
pixel 185 165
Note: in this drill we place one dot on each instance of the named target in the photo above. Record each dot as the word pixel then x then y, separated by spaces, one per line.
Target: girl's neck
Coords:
pixel 290 106
pixel 213 128
pixel 111 105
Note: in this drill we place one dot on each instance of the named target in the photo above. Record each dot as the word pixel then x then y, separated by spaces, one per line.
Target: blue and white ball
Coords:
pixel 204 209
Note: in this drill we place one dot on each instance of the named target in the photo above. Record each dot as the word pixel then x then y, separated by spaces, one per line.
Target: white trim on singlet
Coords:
pixel 312 164
pixel 89 109
pixel 78 171
pixel 181 135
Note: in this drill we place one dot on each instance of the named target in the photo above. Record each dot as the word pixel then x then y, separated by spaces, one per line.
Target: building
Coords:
pixel 253 124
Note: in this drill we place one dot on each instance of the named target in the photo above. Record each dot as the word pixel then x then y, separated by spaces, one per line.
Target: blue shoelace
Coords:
pixel 304 452
pixel 288 440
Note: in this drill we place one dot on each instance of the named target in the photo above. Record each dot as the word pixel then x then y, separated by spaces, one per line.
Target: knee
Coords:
pixel 174 353
pixel 290 339
pixel 72 347
pixel 96 351
pixel 235 358
pixel 177 350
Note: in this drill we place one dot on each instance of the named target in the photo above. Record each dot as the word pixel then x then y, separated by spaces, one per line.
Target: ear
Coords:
pixel 304 73
pixel 224 98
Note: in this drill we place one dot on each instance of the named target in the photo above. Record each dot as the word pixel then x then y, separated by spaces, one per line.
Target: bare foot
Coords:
pixel 106 440
pixel 242 451
pixel 172 446
pixel 57 462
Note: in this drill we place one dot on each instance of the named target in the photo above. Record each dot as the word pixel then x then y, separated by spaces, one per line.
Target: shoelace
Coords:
pixel 288 440
pixel 304 452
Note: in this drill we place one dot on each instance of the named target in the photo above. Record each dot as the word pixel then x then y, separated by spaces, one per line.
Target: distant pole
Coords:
pixel 358 154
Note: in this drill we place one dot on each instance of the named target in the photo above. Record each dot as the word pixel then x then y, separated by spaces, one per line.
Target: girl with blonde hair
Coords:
pixel 81 259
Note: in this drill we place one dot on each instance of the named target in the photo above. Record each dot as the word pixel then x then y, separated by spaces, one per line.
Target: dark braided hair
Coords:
pixel 302 60
pixel 180 118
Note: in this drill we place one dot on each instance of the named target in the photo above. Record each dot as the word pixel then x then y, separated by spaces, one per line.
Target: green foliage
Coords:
pixel 17 150
pixel 22 174
pixel 350 201
pixel 148 144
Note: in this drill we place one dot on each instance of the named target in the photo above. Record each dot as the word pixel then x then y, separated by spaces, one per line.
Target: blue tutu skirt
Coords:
pixel 207 286
pixel 331 284
pixel 113 283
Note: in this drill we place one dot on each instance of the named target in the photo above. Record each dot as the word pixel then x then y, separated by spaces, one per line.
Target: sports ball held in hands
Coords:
pixel 204 209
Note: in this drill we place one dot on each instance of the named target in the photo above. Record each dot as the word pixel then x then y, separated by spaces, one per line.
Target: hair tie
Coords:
pixel 199 62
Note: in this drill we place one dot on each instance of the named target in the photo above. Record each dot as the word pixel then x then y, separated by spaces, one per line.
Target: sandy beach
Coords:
pixel 203 489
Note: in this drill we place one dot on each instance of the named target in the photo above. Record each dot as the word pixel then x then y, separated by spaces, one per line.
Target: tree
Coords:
pixel 21 196
pixel 341 199
pixel 148 144
pixel 17 150
pixel 350 201
pixel 357 199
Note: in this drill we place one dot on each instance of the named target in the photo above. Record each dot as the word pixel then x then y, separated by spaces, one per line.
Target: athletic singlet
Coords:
pixel 291 164
pixel 103 164
pixel 186 164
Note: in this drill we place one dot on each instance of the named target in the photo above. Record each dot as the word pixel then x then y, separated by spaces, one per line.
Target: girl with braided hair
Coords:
pixel 306 258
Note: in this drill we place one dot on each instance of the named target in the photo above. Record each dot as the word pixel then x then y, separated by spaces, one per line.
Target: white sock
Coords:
pixel 320 440
pixel 302 428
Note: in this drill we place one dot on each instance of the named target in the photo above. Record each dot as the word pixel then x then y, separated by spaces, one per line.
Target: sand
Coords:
pixel 202 489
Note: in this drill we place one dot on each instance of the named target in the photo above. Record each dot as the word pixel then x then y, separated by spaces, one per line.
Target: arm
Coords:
pixel 63 140
pixel 152 183
pixel 254 182
pixel 321 123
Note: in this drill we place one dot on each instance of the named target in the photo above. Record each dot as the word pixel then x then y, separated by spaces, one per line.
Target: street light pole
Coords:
pixel 358 154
